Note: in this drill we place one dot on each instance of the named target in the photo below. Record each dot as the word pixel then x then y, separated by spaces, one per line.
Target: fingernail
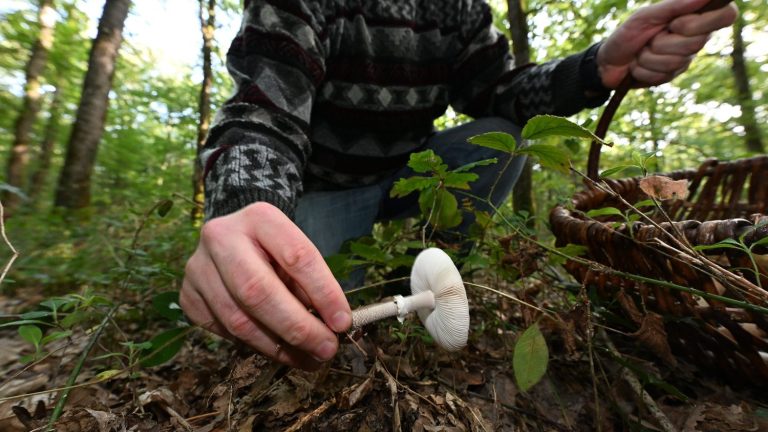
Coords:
pixel 325 352
pixel 341 321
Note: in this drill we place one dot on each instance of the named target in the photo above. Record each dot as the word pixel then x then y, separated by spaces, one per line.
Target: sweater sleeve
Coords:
pixel 258 143
pixel 487 83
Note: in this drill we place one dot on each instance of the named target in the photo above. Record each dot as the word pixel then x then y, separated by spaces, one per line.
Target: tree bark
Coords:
pixel 74 187
pixel 19 157
pixel 748 120
pixel 204 106
pixel 40 174
pixel 522 195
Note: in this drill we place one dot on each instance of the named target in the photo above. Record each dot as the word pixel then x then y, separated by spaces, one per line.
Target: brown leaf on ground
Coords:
pixel 663 188
pixel 653 335
pixel 721 418
pixel 352 395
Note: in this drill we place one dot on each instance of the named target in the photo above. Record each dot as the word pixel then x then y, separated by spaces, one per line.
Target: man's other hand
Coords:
pixel 658 42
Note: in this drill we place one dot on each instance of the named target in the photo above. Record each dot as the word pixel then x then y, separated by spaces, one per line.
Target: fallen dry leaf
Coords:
pixel 662 188
pixel 653 335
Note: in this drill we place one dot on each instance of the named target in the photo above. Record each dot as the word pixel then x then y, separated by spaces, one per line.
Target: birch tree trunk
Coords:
pixel 522 197
pixel 752 139
pixel 74 187
pixel 19 157
pixel 204 105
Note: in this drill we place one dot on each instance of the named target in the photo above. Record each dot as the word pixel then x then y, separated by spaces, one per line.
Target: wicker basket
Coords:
pixel 726 200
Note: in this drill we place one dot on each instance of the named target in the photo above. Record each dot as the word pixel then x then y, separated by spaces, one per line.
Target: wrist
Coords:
pixel 590 72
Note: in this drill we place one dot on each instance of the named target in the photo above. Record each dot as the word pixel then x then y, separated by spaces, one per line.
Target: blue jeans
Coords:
pixel 329 218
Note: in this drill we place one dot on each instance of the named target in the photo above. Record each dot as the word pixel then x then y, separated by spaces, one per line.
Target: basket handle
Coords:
pixel 627 83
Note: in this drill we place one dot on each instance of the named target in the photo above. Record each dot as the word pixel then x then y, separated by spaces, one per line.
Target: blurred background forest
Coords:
pixel 113 216
pixel 155 110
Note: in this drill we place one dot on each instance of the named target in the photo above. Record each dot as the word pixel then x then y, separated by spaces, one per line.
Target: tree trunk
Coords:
pixel 19 157
pixel 74 188
pixel 752 137
pixel 40 174
pixel 522 196
pixel 204 106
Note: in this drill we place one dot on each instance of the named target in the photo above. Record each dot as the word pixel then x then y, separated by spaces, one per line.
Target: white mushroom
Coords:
pixel 437 295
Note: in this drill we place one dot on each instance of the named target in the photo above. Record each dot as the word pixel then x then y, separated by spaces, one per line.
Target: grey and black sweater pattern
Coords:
pixel 340 92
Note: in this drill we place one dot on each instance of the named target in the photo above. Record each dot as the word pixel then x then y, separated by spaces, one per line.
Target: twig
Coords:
pixel 7 242
pixel 317 412
pixel 635 385
pixel 392 384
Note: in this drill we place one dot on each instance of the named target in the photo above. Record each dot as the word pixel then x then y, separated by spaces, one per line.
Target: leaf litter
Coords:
pixel 391 379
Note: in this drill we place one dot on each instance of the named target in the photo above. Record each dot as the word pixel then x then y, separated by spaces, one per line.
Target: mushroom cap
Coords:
pixel 448 322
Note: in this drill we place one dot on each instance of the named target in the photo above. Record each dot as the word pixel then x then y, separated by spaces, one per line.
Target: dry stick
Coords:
pixel 637 387
pixel 590 351
pixel 7 242
pixel 392 384
pixel 307 419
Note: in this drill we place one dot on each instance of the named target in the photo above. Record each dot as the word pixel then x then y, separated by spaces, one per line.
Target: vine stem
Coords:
pixel 57 411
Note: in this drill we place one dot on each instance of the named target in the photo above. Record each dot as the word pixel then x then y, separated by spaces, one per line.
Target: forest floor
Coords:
pixel 389 379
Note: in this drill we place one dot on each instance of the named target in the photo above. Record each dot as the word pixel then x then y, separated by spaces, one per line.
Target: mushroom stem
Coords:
pixel 399 306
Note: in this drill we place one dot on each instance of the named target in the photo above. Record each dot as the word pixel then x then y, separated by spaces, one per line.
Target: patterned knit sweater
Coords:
pixel 340 92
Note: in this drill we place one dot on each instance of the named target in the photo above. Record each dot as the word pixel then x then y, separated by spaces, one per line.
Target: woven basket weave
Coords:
pixel 726 200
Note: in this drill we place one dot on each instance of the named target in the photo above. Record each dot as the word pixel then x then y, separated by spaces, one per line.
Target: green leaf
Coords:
pixel 31 334
pixel 36 314
pixel 369 253
pixel 23 322
pixel 164 346
pixel 107 374
pixel 406 186
pixel 471 165
pixel 645 203
pixel 425 161
pixel 55 336
pixel 446 213
pixel 763 241
pixel 615 170
pixel 725 244
pixel 167 305
pixel 500 141
pixel 459 180
pixel 605 211
pixel 74 318
pixel 530 358
pixel 549 156
pixel 543 126
pixel 573 250
pixel 164 207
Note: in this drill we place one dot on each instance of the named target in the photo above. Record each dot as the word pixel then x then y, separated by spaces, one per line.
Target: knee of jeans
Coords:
pixel 498 124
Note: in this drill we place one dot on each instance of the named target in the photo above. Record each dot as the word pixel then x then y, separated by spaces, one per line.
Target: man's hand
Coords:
pixel 252 278
pixel 658 42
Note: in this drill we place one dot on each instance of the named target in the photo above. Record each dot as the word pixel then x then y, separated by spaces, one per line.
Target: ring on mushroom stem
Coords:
pixel 437 295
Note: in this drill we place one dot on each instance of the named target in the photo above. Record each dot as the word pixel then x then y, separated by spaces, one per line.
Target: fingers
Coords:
pixel 663 62
pixel 299 258
pixel 204 298
pixel 704 23
pixel 648 42
pixel 675 44
pixel 245 263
